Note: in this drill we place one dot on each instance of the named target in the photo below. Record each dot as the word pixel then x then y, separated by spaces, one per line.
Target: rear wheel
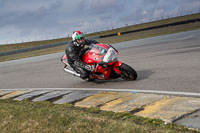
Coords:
pixel 127 72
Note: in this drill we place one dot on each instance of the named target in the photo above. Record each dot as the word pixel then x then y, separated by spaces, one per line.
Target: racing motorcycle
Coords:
pixel 107 66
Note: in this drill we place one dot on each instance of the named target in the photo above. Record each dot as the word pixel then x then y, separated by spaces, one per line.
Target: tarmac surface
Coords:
pixel 165 63
pixel 168 64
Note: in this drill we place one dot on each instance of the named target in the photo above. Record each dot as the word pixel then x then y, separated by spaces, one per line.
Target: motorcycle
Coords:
pixel 107 66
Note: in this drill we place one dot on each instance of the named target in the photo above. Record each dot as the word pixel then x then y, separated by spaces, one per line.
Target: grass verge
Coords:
pixel 10 47
pixel 25 116
pixel 110 40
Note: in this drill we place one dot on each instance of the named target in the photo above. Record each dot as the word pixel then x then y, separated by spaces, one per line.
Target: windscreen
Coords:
pixel 110 56
pixel 98 49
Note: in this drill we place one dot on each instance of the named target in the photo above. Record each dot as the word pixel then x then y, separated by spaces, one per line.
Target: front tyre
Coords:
pixel 127 72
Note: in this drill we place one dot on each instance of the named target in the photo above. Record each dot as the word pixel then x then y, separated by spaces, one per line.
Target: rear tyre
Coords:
pixel 127 72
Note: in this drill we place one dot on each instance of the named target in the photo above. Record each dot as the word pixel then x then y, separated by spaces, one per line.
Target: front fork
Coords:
pixel 116 66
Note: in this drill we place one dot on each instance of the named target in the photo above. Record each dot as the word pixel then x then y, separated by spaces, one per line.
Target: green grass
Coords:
pixel 9 47
pixel 109 40
pixel 33 53
pixel 45 117
pixel 148 24
pixel 151 33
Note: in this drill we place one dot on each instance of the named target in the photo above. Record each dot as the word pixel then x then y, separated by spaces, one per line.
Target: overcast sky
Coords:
pixel 46 19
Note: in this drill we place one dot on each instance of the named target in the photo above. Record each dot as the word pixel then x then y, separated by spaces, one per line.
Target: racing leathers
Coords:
pixel 74 54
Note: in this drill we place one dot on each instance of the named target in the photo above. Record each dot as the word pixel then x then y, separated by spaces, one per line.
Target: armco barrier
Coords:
pixel 31 49
pixel 96 37
pixel 37 48
pixel 154 27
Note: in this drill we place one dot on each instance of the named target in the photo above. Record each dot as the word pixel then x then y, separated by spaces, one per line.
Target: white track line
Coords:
pixel 117 90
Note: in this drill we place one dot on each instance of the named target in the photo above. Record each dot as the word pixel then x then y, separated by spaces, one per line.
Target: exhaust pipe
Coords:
pixel 72 72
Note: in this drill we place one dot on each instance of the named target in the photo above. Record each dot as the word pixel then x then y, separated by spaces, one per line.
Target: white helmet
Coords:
pixel 78 35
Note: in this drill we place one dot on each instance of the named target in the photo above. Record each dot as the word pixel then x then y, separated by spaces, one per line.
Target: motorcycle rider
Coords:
pixel 75 49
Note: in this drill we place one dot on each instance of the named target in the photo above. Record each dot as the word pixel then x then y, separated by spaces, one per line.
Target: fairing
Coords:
pixel 100 53
pixel 104 56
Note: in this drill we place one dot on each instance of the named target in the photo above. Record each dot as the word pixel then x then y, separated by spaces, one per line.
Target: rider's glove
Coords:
pixel 90 67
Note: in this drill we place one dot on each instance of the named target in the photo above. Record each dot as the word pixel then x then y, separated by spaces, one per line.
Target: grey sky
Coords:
pixel 46 19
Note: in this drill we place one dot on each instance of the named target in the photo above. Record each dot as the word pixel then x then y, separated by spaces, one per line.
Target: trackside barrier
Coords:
pixel 37 48
pixel 96 37
pixel 153 27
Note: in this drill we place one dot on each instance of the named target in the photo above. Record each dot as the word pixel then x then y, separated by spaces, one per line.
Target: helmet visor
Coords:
pixel 80 38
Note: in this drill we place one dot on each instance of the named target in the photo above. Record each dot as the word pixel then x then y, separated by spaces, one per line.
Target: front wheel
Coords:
pixel 127 72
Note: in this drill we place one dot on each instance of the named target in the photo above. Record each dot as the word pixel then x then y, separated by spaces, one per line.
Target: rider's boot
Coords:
pixel 90 78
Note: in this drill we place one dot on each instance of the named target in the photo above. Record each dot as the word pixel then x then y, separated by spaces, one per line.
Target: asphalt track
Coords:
pixel 163 63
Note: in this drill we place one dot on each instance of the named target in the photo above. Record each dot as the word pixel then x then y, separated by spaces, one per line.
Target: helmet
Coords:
pixel 77 36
